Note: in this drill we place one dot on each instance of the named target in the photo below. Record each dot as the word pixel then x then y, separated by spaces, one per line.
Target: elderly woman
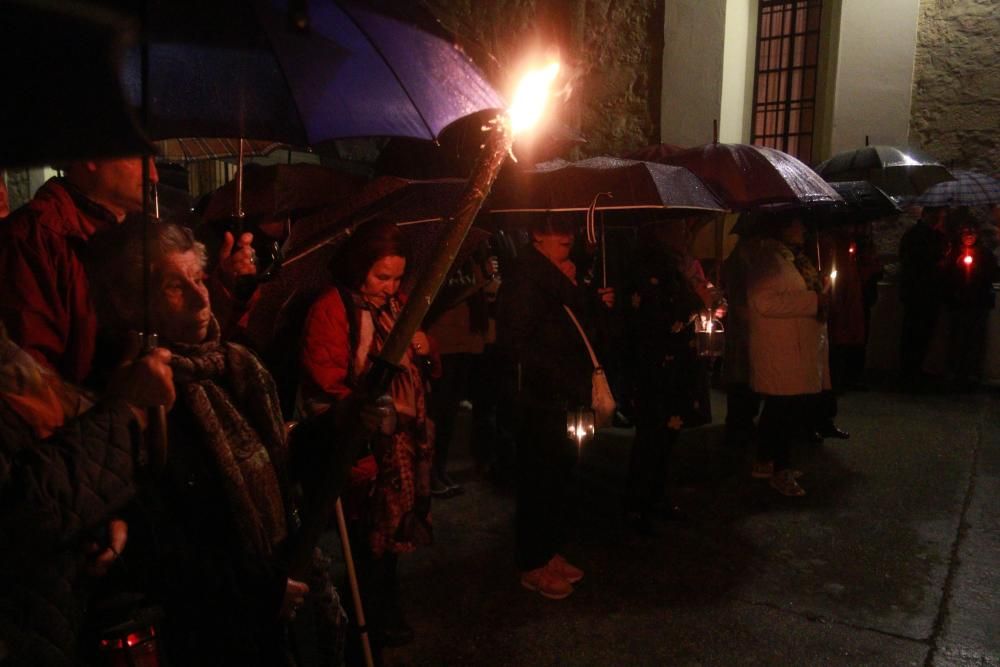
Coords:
pixel 788 347
pixel 208 540
pixel 345 326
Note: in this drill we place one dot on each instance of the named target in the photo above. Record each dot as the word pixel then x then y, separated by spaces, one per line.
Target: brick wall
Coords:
pixel 955 114
pixel 613 49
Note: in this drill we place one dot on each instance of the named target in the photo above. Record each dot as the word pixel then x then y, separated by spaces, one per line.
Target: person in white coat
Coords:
pixel 789 359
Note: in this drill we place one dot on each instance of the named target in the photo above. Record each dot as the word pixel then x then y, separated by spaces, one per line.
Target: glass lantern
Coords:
pixel 580 425
pixel 709 335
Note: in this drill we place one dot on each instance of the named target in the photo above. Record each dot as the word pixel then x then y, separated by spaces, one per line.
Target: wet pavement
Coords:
pixel 893 557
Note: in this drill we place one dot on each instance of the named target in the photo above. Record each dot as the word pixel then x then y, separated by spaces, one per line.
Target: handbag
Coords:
pixel 602 402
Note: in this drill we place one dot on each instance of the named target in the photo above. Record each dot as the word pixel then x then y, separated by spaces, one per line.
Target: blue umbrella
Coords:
pixel 240 69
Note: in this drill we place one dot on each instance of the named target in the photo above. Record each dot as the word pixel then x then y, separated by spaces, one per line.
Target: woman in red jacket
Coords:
pixel 346 325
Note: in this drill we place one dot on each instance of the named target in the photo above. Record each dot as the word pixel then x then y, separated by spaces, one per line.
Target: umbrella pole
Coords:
pixel 352 579
pixel 238 213
pixel 604 253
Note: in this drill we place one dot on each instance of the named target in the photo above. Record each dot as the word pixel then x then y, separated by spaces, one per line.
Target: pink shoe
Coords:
pixel 564 569
pixel 547 583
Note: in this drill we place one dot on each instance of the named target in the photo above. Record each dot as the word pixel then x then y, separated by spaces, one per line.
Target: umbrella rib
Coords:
pixel 391 69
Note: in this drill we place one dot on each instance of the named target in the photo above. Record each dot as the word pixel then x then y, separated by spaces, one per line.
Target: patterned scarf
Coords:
pixel 404 388
pixel 234 403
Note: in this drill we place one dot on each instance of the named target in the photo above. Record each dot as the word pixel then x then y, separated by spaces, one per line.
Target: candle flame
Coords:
pixel 833 275
pixel 968 260
pixel 531 97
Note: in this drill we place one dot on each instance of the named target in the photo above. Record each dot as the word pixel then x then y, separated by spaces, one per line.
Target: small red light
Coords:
pixel 852 248
pixel 968 260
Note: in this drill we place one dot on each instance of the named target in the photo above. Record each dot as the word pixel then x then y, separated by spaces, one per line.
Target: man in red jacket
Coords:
pixel 44 293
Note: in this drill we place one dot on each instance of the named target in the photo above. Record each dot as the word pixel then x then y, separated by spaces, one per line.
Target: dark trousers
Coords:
pixel 649 460
pixel 448 391
pixel 918 327
pixel 742 407
pixel 782 419
pixel 967 342
pixel 545 460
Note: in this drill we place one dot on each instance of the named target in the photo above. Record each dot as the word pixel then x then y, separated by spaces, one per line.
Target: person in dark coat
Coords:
pixel 922 252
pixel 66 467
pixel 209 532
pixel 666 371
pixel 554 375
pixel 968 276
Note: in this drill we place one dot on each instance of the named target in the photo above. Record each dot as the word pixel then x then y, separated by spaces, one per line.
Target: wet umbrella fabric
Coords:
pixel 746 177
pixel 897 171
pixel 192 149
pixel 281 190
pixel 240 70
pixel 862 200
pixel 419 207
pixel 573 186
pixel 970 188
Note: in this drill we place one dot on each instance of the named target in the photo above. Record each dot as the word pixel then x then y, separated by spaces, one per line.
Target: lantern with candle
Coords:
pixel 709 334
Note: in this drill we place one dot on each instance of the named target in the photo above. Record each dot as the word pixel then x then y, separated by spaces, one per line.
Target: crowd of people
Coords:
pixel 156 483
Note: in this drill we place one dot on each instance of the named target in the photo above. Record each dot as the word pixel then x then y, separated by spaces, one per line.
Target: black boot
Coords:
pixel 389 628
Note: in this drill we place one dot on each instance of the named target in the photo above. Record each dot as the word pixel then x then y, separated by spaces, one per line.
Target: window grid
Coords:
pixel 785 81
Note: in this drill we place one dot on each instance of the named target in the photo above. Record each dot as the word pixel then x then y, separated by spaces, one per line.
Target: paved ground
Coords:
pixel 891 559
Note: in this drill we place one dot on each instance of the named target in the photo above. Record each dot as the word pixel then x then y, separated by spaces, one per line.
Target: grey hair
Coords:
pixel 115 268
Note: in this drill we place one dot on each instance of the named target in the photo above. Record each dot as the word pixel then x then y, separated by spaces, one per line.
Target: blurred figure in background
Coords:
pixel 923 251
pixel 742 403
pixel 969 274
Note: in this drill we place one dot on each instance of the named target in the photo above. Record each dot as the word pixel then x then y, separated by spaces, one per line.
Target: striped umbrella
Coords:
pixel 190 149
pixel 970 188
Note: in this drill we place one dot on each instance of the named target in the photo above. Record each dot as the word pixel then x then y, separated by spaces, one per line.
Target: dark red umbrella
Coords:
pixel 746 177
pixel 420 208
pixel 280 190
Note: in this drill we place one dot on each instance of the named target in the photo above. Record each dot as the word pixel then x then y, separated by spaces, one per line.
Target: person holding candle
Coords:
pixel 553 370
pixel 788 355
pixel 969 276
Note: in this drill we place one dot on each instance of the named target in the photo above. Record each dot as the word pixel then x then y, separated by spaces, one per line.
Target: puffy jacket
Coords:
pixel 788 347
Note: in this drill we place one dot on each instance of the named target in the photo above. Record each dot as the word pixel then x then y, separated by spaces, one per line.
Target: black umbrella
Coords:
pixel 862 201
pixel 896 170
pixel 62 97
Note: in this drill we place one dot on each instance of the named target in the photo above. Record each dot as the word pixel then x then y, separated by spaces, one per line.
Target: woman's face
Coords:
pixel 383 279
pixel 555 245
pixel 181 309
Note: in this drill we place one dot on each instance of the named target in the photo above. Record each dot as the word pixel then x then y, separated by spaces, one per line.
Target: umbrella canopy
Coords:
pixel 281 190
pixel 655 152
pixel 627 184
pixel 420 208
pixel 897 171
pixel 75 54
pixel 192 149
pixel 746 177
pixel 240 69
pixel 863 200
pixel 970 188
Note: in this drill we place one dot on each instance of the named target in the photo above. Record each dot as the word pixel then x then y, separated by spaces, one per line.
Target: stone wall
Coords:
pixel 955 114
pixel 612 47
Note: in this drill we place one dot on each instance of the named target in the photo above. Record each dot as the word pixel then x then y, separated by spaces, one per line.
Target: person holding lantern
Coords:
pixel 670 291
pixel 553 370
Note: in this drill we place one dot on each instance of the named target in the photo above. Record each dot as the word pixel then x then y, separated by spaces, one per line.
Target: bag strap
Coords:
pixel 586 341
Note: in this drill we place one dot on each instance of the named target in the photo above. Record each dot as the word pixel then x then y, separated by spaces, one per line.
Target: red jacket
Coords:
pixel 44 293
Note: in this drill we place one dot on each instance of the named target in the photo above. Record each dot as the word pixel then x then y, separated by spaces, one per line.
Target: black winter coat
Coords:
pixel 535 330
pixel 52 494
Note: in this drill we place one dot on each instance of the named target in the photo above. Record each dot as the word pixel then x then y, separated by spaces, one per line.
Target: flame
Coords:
pixel 968 260
pixel 833 275
pixel 531 97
